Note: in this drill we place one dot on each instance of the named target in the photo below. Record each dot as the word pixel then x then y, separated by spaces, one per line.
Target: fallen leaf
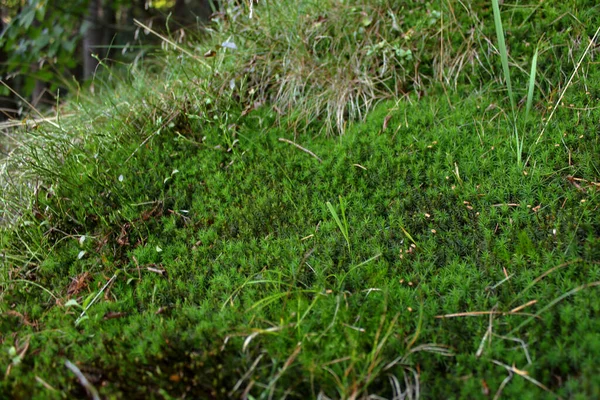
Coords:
pixel 78 284
pixel 113 315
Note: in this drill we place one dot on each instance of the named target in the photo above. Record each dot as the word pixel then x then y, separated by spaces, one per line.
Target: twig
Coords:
pixel 45 384
pixel 83 380
pixel 175 45
pixel 525 375
pixel 34 284
pixel 521 342
pixel 482 313
pixel 522 306
pixel 503 384
pixel 30 121
pixel 246 375
pixel 488 333
pixel 301 148
pixel 553 303
pixel 155 133
pixel 30 105
pixel 567 85
pixel 542 276
pixel 94 299
pixel 499 283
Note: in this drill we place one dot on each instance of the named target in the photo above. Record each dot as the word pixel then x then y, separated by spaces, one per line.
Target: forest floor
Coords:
pixel 300 208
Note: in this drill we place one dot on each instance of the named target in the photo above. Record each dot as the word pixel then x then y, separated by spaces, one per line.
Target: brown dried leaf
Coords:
pixel 386 120
pixel 79 283
pixel 123 239
pixel 113 315
pixel 23 317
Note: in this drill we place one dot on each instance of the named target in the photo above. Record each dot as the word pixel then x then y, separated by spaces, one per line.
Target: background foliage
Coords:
pixel 43 42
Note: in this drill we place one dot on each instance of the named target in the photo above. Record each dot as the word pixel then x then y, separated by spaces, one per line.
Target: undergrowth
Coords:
pixel 190 233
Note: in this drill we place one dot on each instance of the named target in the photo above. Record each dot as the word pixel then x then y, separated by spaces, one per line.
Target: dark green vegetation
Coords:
pixel 49 47
pixel 168 243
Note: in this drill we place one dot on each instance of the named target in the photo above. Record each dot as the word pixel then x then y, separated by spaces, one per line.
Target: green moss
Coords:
pixel 202 252
pixel 222 250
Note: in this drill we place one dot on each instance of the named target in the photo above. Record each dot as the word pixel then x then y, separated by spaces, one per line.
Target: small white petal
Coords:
pixel 229 45
pixel 81 254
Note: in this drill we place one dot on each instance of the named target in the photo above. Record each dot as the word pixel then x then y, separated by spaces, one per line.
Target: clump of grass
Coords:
pixel 322 64
pixel 519 138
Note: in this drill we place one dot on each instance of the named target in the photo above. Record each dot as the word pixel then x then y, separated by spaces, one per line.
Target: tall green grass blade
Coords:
pixel 336 218
pixel 342 225
pixel 531 83
pixel 503 52
pixel 518 142
pixel 341 281
pixel 408 235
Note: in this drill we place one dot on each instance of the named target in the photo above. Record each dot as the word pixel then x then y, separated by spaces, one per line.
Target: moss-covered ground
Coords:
pixel 175 242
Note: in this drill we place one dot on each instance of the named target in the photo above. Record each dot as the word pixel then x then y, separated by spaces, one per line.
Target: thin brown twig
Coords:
pixel 301 148
pixel 525 375
pixel 30 105
pixel 175 45
pixel 554 302
pixel 482 313
pixel 542 276
pixel 522 306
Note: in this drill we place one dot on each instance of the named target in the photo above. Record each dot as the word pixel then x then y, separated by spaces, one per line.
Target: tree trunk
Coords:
pixel 92 39
pixel 191 11
pixel 7 105
pixel 110 24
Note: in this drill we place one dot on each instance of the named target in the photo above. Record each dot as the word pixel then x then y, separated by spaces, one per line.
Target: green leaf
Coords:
pixel 68 45
pixel 72 303
pixel 26 17
pixel 88 299
pixel 366 21
pixel 81 319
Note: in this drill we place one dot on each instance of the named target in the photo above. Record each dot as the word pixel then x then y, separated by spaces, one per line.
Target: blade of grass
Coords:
pixel 341 282
pixel 343 226
pixel 531 83
pixel 408 235
pixel 503 51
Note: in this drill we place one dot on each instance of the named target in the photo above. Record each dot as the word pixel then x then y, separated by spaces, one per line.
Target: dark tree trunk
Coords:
pixel 191 11
pixel 40 94
pixel 110 25
pixel 92 39
pixel 7 105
